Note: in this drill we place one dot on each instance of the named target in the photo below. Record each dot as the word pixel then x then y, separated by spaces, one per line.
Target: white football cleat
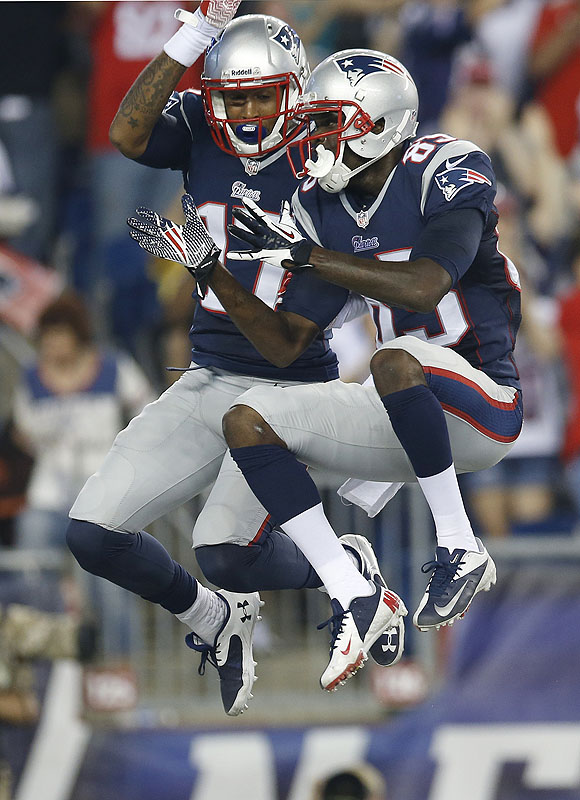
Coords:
pixel 231 652
pixel 388 648
pixel 355 630
pixel 455 580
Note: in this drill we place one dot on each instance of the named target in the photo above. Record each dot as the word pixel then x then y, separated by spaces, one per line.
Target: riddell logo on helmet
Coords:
pixel 246 72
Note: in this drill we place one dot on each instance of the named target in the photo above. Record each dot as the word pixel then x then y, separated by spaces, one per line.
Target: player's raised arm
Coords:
pixel 144 102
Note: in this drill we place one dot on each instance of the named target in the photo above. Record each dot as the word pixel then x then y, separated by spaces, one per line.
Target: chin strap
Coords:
pixel 333 176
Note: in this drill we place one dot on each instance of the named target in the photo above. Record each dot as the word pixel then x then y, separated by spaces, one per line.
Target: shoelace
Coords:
pixel 443 574
pixel 334 623
pixel 207 653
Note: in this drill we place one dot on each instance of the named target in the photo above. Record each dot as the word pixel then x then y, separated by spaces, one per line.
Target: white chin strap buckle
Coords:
pixel 323 164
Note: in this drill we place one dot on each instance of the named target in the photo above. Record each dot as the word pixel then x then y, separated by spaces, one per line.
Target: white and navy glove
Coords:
pixel 189 244
pixel 198 29
pixel 274 242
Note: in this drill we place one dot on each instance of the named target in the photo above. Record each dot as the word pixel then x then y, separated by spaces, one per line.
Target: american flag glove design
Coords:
pixel 189 244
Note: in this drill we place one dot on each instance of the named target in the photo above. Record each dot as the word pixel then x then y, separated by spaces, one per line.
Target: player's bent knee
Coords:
pixel 395 369
pixel 244 427
pixel 85 541
pixel 224 565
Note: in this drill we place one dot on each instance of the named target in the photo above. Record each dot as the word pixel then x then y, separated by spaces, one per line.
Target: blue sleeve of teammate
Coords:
pixel 452 240
pixel 317 300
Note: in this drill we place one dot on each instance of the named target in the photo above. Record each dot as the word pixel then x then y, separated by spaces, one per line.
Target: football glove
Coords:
pixel 274 242
pixel 219 12
pixel 189 244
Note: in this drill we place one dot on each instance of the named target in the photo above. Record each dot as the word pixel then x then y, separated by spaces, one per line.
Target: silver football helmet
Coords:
pixel 357 89
pixel 253 51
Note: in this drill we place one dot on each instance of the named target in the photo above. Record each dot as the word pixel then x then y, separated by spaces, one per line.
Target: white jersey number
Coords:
pixel 450 323
pixel 268 278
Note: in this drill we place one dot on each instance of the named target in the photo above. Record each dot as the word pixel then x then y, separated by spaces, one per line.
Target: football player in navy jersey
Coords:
pixel 410 225
pixel 229 143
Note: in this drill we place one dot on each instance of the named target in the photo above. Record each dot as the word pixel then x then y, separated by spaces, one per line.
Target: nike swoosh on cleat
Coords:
pixel 347 650
pixel 443 611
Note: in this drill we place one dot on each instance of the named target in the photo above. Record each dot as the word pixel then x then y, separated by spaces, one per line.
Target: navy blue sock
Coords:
pixel 134 561
pixel 273 562
pixel 279 481
pixel 419 423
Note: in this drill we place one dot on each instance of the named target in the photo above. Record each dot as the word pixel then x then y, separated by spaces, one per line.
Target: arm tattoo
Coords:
pixel 146 99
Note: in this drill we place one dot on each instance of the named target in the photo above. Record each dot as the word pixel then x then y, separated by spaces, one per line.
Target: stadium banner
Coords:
pixel 504 726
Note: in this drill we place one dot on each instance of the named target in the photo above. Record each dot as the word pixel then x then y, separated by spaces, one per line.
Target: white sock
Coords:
pixel 313 534
pixel 452 525
pixel 206 616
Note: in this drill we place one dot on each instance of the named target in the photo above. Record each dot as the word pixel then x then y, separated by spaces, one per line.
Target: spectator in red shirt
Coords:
pixel 125 37
pixel 570 331
pixel 555 67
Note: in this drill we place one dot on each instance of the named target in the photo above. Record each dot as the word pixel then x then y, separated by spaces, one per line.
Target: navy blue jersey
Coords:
pixel 480 315
pixel 217 181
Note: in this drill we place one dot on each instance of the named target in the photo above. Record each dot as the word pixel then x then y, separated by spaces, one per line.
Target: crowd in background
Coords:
pixel 88 325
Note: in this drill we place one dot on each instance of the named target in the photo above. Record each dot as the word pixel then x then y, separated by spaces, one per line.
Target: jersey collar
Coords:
pixel 365 215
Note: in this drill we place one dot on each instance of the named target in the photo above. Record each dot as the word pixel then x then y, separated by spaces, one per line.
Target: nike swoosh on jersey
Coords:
pixel 443 611
pixel 451 164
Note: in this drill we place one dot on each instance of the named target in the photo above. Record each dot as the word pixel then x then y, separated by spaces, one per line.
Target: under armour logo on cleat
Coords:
pixel 245 617
pixel 391 636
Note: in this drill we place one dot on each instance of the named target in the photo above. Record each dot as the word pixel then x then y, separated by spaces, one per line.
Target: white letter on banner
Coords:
pixel 237 765
pixel 325 750
pixel 472 756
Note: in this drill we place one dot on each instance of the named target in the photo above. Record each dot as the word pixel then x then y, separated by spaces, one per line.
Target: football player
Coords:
pixel 409 223
pixel 230 144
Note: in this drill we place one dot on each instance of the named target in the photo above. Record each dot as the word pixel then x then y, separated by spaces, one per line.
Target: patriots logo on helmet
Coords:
pixel 454 178
pixel 357 67
pixel 288 39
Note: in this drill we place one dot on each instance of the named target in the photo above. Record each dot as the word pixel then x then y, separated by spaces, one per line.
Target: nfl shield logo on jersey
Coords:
pixel 362 219
pixel 455 178
pixel 252 167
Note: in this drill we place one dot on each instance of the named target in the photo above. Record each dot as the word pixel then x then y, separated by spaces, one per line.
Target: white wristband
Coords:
pixel 191 40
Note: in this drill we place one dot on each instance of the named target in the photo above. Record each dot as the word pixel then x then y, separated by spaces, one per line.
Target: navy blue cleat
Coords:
pixel 388 648
pixel 455 580
pixel 231 653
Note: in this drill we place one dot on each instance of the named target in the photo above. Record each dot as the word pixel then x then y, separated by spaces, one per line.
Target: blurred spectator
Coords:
pixel 504 33
pixel 125 37
pixel 71 403
pixel 523 489
pixel 521 148
pixel 27 635
pixel 433 34
pixel 32 53
pixel 29 639
pixel 330 25
pixel 15 469
pixel 555 68
pixel 569 308
pixel 432 30
pixel 362 782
